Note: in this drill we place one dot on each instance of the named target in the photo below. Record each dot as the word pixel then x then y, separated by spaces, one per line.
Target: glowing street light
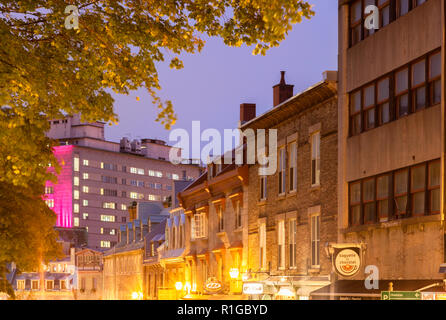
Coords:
pixel 137 295
pixel 178 286
pixel 234 272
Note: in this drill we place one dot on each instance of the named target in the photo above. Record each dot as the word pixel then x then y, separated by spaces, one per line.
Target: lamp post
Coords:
pixel 178 287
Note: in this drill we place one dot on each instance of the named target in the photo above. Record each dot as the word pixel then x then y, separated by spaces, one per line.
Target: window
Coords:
pixel 76 181
pixel 109 192
pixel 435 78
pixel 220 217
pixel 315 158
pixel 50 203
pixel 140 183
pixel 20 284
pixel 159 174
pixel 151 173
pixel 76 208
pixel 169 188
pixel 293 166
pixel 400 191
pixel 382 197
pixel 292 242
pixel 85 203
pixel 108 179
pixel 49 190
pixel 158 186
pixel 434 187
pixel 416 86
pixel 123 207
pixel 355 113
pixel 85 189
pixel 35 284
pixel 137 171
pixel 85 162
pixel 175 177
pixel 238 214
pixel 199 225
pixel 76 194
pixel 109 166
pixel 383 101
pixel 400 194
pixel 355 203
pixel 389 10
pixel 315 240
pixel 418 189
pixel 282 167
pixel 49 284
pixel 281 244
pixel 76 221
pixel 369 107
pixel 262 246
pixel 85 216
pixel 105 244
pixel 133 182
pixel 419 85
pixel 85 176
pixel 368 200
pixel 263 188
pixel 109 205
pixel 134 195
pixel 76 164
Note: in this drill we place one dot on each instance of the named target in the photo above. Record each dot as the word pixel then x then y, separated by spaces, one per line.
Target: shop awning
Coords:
pixel 355 289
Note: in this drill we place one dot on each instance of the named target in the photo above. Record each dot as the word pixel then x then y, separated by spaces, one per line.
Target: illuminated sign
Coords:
pixel 347 261
pixel 213 285
pixel 253 288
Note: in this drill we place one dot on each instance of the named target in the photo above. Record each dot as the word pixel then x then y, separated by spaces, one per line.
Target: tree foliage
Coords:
pixel 48 71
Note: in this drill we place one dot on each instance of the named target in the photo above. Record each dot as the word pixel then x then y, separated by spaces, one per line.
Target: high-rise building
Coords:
pixel 100 179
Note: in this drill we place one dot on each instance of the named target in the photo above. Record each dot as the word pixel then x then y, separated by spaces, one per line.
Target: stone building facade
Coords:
pixel 292 214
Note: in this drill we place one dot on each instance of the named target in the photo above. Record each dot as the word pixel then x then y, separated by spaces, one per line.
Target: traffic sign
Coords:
pixel 400 295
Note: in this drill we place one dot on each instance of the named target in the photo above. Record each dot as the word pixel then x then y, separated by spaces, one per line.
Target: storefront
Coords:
pixel 283 288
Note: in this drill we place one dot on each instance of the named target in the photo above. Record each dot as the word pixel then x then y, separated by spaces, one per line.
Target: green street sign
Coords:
pixel 400 295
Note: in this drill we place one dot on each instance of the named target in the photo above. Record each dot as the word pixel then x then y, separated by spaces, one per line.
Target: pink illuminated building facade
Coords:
pixel 100 179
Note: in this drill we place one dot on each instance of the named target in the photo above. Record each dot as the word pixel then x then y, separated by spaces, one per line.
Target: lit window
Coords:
pixel 102 230
pixel 107 218
pixel 50 203
pixel 141 171
pixel 76 181
pixel 76 208
pixel 49 190
pixel 151 173
pixel 76 194
pixel 85 189
pixel 123 207
pixel 85 176
pixel 159 174
pixel 151 197
pixel 105 244
pixel 85 216
pixel 76 221
pixel 85 162
pixel 175 177
pixel 133 195
pixel 85 203
pixel 76 164
pixel 109 205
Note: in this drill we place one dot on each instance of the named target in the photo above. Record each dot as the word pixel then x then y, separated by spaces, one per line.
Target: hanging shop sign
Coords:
pixel 213 286
pixel 347 261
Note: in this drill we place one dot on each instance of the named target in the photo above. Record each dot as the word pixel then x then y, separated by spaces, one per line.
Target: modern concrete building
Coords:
pixel 392 137
pixel 99 179
pixel 292 213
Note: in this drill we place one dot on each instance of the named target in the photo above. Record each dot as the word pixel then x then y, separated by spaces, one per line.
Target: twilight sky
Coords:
pixel 216 81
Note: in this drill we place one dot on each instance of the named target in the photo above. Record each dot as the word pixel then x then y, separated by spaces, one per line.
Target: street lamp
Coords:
pixel 234 273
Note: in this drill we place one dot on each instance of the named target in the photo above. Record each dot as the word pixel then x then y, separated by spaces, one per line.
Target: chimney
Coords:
pixel 247 112
pixel 282 91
